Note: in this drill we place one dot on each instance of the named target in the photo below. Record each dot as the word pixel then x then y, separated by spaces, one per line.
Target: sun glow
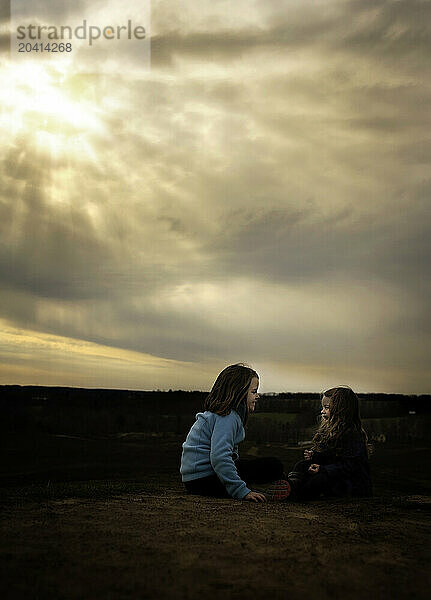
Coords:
pixel 43 101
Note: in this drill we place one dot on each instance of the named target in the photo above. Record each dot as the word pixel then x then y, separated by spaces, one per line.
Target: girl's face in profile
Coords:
pixel 252 395
pixel 325 412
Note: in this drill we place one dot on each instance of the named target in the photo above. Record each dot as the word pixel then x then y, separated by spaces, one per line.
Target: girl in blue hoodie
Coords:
pixel 210 464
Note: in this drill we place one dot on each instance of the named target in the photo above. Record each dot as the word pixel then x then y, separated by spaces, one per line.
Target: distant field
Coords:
pixel 281 418
pixel 274 416
pixel 48 461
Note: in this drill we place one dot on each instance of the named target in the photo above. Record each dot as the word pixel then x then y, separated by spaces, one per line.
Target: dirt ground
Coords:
pixel 170 545
pixel 152 541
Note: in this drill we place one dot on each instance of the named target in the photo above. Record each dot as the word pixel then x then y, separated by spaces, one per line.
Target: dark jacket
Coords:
pixel 346 465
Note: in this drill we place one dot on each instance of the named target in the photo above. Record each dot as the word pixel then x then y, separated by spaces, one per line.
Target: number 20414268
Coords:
pixel 41 47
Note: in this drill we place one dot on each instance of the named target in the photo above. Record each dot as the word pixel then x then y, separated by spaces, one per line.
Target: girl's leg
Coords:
pixel 298 478
pixel 314 486
pixel 301 467
pixel 207 486
pixel 260 470
pixel 299 473
pixel 306 485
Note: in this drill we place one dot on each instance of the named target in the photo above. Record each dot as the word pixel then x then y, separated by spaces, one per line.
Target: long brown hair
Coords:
pixel 230 390
pixel 344 418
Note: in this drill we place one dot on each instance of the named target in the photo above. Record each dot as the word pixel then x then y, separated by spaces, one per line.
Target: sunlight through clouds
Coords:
pixel 60 125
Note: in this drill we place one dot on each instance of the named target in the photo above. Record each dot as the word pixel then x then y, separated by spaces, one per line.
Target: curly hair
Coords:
pixel 344 418
pixel 230 390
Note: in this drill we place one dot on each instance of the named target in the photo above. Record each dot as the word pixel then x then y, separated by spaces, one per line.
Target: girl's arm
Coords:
pixel 347 462
pixel 223 441
pixel 319 457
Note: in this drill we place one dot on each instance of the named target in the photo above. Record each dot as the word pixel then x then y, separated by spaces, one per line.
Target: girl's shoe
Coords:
pixel 279 491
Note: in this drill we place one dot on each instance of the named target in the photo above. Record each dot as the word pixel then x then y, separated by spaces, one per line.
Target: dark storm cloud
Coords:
pixel 4 25
pixel 283 246
pixel 376 28
pixel 58 10
pixel 220 45
pixel 4 43
pixel 398 28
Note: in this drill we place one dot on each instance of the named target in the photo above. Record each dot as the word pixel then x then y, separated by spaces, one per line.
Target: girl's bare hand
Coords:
pixel 314 468
pixel 255 497
pixel 308 454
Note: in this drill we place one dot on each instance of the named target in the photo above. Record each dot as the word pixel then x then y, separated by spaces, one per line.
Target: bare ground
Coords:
pixel 112 537
pixel 169 545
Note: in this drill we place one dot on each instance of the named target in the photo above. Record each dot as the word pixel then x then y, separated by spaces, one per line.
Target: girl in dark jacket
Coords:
pixel 337 464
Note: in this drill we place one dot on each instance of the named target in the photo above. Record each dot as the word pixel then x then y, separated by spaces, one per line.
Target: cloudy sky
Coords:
pixel 260 194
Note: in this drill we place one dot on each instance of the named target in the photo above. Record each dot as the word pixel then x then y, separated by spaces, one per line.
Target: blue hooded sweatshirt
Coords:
pixel 211 447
